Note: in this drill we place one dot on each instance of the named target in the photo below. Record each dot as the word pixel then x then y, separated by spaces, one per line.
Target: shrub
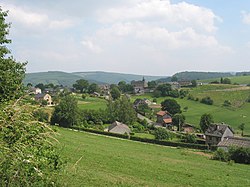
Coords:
pixel 240 155
pixel 227 103
pixel 189 138
pixel 161 134
pixel 41 116
pixel 221 155
pixel 207 100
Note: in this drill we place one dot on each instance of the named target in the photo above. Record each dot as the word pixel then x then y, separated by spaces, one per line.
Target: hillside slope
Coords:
pixel 114 78
pixel 103 161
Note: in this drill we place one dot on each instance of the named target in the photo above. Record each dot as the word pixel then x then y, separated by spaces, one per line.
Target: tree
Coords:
pixel 122 86
pixel 11 72
pixel 66 113
pixel 161 134
pixel 164 89
pixel 93 88
pixel 178 120
pixel 194 83
pixel 242 127
pixel 205 121
pixel 81 85
pixel 41 86
pixel 152 84
pixel 121 110
pixel 207 100
pixel 226 81
pixel 143 109
pixel 27 155
pixel 171 106
pixel 115 93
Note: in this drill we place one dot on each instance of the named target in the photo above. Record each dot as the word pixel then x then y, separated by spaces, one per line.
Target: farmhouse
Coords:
pixel 45 97
pixel 119 128
pixel 217 132
pixel 139 102
pixel 188 128
pixel 139 86
pixel 35 91
pixel 164 118
pixel 234 142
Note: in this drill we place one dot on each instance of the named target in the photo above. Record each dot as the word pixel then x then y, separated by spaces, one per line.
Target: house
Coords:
pixel 217 132
pixel 95 94
pixel 139 102
pixel 164 118
pixel 45 97
pixel 139 86
pixel 188 128
pixel 119 128
pixel 35 91
pixel 234 142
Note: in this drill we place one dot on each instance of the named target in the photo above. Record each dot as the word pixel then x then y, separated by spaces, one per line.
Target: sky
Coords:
pixel 147 37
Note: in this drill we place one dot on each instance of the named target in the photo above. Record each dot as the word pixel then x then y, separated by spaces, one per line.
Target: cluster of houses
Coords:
pixel 39 96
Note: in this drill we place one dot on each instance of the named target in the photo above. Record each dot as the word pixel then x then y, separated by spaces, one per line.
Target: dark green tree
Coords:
pixel 93 88
pixel 121 110
pixel 81 85
pixel 171 106
pixel 165 89
pixel 205 121
pixel 194 83
pixel 152 84
pixel 41 86
pixel 66 114
pixel 242 127
pixel 178 120
pixel 115 93
pixel 11 72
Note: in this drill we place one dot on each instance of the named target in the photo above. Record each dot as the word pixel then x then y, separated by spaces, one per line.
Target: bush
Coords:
pixel 227 103
pixel 240 155
pixel 41 116
pixel 189 138
pixel 161 134
pixel 207 100
pixel 221 155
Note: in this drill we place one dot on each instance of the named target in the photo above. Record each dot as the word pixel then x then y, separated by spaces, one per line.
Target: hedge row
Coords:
pixel 153 141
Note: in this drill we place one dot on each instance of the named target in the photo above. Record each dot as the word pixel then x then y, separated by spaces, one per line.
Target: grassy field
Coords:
pixel 91 103
pixel 101 161
pixel 234 116
pixel 235 79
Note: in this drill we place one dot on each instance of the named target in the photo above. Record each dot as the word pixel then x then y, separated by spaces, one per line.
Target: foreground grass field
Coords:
pixel 101 161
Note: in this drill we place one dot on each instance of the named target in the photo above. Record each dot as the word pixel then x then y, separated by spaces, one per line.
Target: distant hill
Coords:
pixel 114 78
pixel 55 77
pixel 68 79
pixel 200 75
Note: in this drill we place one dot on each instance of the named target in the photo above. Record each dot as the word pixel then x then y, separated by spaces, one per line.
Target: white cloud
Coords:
pixel 31 19
pixel 89 44
pixel 245 17
pixel 168 14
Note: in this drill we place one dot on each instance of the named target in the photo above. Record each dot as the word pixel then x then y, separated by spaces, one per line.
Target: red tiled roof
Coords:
pixel 162 113
pixel 168 120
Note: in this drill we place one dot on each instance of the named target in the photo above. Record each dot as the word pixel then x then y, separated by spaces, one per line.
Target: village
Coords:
pixel 149 113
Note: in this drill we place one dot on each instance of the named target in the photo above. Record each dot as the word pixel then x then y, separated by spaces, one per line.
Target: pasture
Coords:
pixel 94 160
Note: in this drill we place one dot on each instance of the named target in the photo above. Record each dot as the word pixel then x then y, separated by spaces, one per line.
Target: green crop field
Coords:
pixel 103 161
pixel 234 79
pixel 91 103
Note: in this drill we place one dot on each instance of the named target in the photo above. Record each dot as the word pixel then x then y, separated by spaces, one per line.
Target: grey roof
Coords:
pixel 119 128
pixel 234 141
pixel 217 130
pixel 38 96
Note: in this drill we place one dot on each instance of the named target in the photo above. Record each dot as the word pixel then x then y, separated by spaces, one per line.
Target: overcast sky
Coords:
pixel 150 37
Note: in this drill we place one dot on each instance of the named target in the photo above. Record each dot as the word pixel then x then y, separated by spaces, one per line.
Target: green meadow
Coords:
pixel 94 160
pixel 91 103
pixel 234 79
